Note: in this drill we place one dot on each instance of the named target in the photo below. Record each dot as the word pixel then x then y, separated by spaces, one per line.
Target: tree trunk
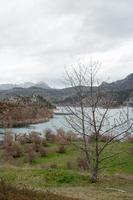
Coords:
pixel 94 176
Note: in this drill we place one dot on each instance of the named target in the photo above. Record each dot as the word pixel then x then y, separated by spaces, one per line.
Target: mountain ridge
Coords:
pixel 123 90
pixel 9 86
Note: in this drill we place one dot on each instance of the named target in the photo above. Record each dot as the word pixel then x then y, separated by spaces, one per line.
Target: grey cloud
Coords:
pixel 45 34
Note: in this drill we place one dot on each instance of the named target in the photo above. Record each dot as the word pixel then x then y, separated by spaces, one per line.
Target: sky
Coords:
pixel 40 38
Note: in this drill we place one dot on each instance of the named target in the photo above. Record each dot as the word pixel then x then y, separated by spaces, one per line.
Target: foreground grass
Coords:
pixel 40 178
pixel 70 183
pixel 9 192
pixel 52 173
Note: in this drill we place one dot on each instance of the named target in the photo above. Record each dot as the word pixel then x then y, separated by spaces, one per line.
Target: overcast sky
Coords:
pixel 38 38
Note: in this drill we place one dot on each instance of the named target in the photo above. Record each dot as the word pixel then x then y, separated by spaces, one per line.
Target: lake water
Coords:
pixel 58 121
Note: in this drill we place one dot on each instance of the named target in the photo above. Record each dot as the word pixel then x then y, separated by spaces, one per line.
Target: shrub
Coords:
pixel 61 137
pixel 43 152
pixel 130 139
pixel 61 149
pixel 35 137
pixel 12 149
pixel 16 150
pixel 102 138
pixel 50 137
pixel 82 163
pixel 8 140
pixel 23 139
pixel 30 153
pixel 30 157
pixel 71 136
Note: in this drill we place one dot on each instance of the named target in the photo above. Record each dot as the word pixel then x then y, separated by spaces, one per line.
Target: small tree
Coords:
pixel 97 127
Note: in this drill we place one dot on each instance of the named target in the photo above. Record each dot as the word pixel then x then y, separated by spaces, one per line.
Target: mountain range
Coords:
pixel 124 84
pixel 9 86
pixel 123 90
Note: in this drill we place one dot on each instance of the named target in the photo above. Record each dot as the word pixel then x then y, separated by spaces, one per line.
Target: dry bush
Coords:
pixel 102 138
pixel 82 163
pixel 23 139
pixel 50 137
pixel 61 149
pixel 16 150
pixel 35 137
pixel 43 152
pixel 130 139
pixel 61 137
pixel 71 136
pixel 30 154
pixel 8 140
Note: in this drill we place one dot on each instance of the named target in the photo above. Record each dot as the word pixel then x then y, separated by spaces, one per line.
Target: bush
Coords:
pixel 43 152
pixel 61 149
pixel 23 139
pixel 71 136
pixel 12 149
pixel 102 138
pixel 30 153
pixel 82 163
pixel 50 137
pixel 61 137
pixel 130 139
pixel 35 137
pixel 8 140
pixel 16 150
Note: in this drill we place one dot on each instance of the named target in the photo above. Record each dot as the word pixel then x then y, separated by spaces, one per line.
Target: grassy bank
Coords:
pixel 54 164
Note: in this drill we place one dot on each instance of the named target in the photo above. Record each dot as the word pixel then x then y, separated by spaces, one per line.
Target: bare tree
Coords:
pixel 92 119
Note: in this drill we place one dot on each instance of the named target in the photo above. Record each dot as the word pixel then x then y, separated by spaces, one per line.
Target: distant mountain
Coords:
pixel 122 91
pixel 7 86
pixel 120 85
pixel 24 85
pixel 41 84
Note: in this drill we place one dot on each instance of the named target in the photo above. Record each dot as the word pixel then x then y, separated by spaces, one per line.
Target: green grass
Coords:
pixel 69 183
pixel 60 159
pixel 40 178
pixel 122 163
pixel 116 175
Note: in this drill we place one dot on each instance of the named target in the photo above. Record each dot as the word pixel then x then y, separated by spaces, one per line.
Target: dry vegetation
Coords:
pixel 8 192
pixel 15 114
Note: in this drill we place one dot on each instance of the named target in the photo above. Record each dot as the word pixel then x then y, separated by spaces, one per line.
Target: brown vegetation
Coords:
pixel 14 114
pixel 8 192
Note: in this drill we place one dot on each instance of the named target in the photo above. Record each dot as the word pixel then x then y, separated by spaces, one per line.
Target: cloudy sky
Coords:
pixel 38 38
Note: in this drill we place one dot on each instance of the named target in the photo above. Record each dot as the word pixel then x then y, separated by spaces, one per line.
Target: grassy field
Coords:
pixel 61 174
pixel 70 183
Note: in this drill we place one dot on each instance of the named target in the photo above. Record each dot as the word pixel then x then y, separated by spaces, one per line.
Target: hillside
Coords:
pixel 120 85
pixel 21 111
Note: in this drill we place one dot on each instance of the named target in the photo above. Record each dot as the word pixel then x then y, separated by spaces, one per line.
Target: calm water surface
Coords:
pixel 58 121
